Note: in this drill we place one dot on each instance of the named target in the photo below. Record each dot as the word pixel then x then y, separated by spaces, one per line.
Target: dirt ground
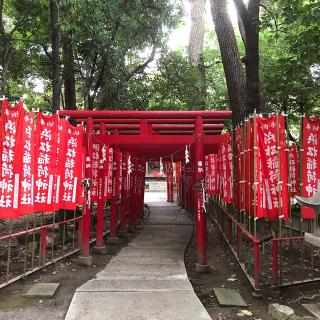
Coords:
pixel 13 306
pixel 223 267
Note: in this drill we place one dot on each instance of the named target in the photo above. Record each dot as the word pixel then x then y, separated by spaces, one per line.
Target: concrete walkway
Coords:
pixel 147 279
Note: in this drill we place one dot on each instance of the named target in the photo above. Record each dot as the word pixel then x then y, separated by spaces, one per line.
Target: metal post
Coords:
pixel 275 261
pixel 85 259
pixel 256 258
pixel 239 242
pixel 201 227
pixel 43 245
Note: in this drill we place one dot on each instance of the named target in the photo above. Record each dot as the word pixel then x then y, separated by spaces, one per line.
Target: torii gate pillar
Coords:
pixel 201 225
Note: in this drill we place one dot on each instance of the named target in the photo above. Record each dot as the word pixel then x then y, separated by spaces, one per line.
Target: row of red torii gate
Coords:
pixel 137 137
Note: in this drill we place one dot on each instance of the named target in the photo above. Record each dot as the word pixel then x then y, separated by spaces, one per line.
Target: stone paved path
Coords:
pixel 147 279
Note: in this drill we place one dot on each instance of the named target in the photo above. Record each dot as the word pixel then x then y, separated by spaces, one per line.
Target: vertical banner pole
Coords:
pixel 289 174
pixel 100 247
pixel 171 188
pixel 85 258
pixel 249 176
pixel 131 220
pixel 182 189
pixel 255 173
pixel 143 184
pixel 244 176
pixel 168 168
pixel 300 171
pixel 201 227
pixel 114 199
pixel 124 182
pixel 279 177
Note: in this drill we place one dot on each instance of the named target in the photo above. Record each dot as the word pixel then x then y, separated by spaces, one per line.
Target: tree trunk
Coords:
pixel 6 48
pixel 5 66
pixel 252 61
pixel 250 21
pixel 196 37
pixel 235 79
pixel 55 56
pixel 69 74
pixel 195 49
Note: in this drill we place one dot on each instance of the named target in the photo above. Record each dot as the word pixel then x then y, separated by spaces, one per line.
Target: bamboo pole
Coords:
pixel 255 183
pixel 279 195
pixel 33 239
pixel 64 231
pixel 279 177
pixel 300 170
pixel 73 229
pixel 52 243
pixel 289 181
pixel 40 251
pixel 249 176
pixel 26 246
pixel 9 250
pixel 244 131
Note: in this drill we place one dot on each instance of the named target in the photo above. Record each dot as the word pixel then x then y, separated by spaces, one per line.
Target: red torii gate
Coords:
pixel 150 135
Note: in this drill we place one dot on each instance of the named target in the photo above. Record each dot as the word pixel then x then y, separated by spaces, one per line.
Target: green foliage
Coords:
pixel 290 57
pixel 112 38
pixel 109 38
pixel 177 84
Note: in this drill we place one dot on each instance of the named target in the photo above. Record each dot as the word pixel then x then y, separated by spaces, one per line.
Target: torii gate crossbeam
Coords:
pixel 151 135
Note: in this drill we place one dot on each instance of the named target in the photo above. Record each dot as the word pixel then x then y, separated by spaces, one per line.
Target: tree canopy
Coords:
pixel 113 54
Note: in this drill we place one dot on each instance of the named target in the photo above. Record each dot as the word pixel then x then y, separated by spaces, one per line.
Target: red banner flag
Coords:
pixel 80 194
pixel 108 175
pixel 226 167
pixel 60 162
pixel 214 181
pixel 272 191
pixel 178 176
pixel 72 168
pixel 310 161
pixel 95 172
pixel 11 156
pixel 46 152
pixel 239 183
pixel 206 172
pixel 120 176
pixel 294 170
pixel 127 185
pixel 212 174
pixel 26 201
pixel 248 169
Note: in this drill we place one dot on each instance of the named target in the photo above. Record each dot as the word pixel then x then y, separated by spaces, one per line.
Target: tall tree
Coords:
pixel 56 84
pixel 250 21
pixel 195 48
pixel 234 74
pixel 69 80
pixel 196 37
pixel 6 50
